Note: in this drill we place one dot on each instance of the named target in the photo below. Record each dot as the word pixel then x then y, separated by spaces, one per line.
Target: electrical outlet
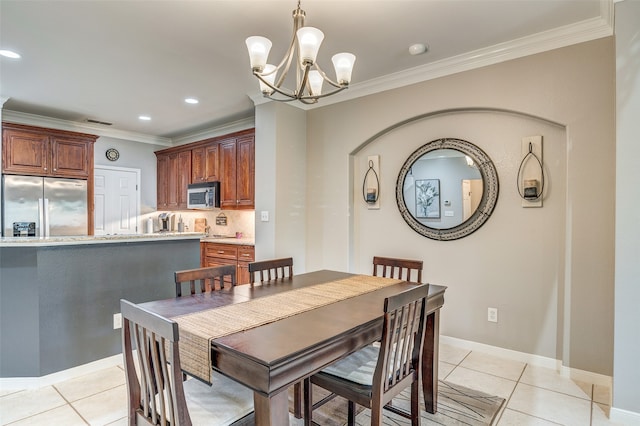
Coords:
pixel 264 216
pixel 492 314
pixel 117 321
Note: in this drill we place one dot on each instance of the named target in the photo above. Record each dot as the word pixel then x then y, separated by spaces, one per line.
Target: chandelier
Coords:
pixel 309 76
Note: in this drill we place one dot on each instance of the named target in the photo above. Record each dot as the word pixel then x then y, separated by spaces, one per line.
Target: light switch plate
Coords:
pixel 531 168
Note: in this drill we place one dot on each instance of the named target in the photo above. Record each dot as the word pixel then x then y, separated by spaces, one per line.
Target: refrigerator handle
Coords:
pixel 43 216
pixel 46 217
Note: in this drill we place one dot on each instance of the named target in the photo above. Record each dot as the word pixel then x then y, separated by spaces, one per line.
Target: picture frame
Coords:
pixel 428 198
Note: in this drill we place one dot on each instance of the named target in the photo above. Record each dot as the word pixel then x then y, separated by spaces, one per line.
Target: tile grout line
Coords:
pixel 506 402
pixel 70 404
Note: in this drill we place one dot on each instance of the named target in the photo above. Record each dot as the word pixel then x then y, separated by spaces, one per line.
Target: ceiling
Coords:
pixel 114 60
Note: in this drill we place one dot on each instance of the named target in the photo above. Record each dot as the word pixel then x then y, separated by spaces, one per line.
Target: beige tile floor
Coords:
pixel 534 395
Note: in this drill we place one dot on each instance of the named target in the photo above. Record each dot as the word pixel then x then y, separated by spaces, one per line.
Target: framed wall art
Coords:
pixel 428 198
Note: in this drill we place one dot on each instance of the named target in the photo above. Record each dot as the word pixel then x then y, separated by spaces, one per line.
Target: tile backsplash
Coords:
pixel 237 221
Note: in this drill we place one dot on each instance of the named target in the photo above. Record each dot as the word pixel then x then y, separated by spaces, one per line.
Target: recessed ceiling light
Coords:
pixel 9 54
pixel 191 101
pixel 417 49
pixel 144 117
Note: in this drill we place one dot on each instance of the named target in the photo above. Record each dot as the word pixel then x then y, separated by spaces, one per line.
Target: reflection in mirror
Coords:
pixel 443 188
pixel 447 189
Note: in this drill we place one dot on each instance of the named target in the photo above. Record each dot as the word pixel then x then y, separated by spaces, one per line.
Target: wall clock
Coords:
pixel 112 154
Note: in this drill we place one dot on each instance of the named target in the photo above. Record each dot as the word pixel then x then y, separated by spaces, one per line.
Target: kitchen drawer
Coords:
pixel 224 251
pixel 246 253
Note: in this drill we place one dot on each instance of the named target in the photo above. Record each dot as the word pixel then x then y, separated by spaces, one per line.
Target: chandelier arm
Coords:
pixel 274 88
pixel 316 97
pixel 327 79
pixel 305 80
pixel 298 22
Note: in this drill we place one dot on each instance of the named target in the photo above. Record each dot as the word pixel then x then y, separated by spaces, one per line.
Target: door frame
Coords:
pixel 131 170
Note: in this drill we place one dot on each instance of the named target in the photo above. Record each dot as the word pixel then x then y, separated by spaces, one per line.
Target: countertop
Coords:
pixel 244 241
pixel 107 239
pixel 96 239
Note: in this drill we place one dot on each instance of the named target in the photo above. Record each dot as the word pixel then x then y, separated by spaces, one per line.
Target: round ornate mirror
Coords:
pixel 447 189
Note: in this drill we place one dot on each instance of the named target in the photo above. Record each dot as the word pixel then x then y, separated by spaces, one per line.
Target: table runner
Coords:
pixel 198 329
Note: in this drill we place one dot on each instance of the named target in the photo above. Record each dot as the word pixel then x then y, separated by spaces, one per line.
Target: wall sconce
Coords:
pixel 530 179
pixel 371 183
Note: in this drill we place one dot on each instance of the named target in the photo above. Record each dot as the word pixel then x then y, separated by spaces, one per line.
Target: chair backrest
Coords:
pixel 271 270
pixel 398 268
pixel 207 278
pixel 401 344
pixel 157 396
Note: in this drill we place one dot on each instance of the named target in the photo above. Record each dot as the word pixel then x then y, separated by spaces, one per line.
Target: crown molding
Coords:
pixel 587 30
pixel 235 126
pixel 73 126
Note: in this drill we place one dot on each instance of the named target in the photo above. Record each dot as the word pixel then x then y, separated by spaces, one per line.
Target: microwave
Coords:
pixel 203 195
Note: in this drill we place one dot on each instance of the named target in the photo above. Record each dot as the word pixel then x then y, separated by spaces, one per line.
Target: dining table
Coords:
pixel 269 337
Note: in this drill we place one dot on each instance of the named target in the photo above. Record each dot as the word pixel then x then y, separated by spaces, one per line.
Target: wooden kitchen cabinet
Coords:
pixel 220 254
pixel 228 159
pixel 204 163
pixel 173 174
pixel 237 171
pixel 37 151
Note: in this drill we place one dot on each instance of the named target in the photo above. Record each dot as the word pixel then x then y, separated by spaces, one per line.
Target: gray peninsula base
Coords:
pixel 57 302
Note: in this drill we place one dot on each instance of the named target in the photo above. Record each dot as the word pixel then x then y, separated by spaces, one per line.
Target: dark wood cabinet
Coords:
pixel 237 171
pixel 228 172
pixel 219 254
pixel 174 174
pixel 183 178
pixel 163 181
pixel 229 159
pixel 37 151
pixel 204 163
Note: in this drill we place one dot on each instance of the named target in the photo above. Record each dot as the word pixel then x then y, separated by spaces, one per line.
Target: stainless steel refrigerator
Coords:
pixel 42 207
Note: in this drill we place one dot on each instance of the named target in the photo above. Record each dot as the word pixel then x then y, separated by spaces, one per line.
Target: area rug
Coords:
pixel 457 406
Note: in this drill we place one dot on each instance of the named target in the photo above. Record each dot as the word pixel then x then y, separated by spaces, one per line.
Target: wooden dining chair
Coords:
pixel 271 270
pixel 206 277
pixel 373 376
pixel 401 269
pixel 157 395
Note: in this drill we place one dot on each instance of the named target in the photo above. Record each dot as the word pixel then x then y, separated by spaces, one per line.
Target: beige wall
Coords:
pixel 549 270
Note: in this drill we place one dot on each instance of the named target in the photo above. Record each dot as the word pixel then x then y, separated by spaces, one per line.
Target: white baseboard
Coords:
pixel 60 376
pixel 537 360
pixel 627 418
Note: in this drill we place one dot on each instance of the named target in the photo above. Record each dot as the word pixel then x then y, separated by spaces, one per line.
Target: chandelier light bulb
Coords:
pixel 315 81
pixel 309 41
pixel 268 74
pixel 343 64
pixel 259 48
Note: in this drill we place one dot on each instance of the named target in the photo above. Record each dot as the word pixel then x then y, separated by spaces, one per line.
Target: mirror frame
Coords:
pixel 488 202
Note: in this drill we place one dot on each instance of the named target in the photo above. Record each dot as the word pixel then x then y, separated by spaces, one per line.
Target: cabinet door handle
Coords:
pixel 220 251
pixel 246 254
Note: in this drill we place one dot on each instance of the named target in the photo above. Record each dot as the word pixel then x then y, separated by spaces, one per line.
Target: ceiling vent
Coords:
pixel 89 120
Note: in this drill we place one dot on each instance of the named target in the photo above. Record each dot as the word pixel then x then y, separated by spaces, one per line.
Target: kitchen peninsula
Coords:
pixel 59 295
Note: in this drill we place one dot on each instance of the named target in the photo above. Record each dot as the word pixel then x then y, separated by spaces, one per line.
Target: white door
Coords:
pixel 116 200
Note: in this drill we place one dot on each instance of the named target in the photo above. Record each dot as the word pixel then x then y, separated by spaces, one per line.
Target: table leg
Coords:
pixel 430 362
pixel 271 411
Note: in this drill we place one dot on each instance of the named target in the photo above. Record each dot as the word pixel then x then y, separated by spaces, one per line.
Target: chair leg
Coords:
pixel 376 416
pixel 297 400
pixel 308 402
pixel 415 403
pixel 351 414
